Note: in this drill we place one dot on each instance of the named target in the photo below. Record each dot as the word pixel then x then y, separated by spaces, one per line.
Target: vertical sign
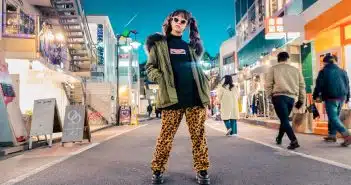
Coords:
pixel 100 44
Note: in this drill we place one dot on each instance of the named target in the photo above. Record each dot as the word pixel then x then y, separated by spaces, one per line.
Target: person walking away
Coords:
pixel 149 110
pixel 228 96
pixel 332 87
pixel 183 89
pixel 284 84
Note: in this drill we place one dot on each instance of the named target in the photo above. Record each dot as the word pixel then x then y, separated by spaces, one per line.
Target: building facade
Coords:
pixel 105 40
pixel 307 29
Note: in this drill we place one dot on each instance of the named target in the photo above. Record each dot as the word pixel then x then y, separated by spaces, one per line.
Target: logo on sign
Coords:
pixel 74 118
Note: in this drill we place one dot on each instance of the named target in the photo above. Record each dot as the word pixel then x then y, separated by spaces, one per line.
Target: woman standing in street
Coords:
pixel 183 89
pixel 228 96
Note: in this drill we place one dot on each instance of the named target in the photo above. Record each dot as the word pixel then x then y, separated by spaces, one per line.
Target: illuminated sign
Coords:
pixel 100 44
pixel 274 28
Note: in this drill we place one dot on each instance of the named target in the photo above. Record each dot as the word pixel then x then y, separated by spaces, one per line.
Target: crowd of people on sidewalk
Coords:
pixel 184 90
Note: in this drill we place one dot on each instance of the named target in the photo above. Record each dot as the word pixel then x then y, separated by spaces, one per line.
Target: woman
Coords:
pixel 228 96
pixel 183 89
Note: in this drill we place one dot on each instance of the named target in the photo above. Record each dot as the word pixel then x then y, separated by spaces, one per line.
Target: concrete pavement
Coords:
pixel 312 145
pixel 125 160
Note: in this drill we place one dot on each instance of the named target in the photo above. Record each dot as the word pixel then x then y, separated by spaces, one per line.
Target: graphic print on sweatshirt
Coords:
pixel 177 51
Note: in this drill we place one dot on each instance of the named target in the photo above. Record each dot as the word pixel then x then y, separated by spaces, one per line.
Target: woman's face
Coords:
pixel 179 23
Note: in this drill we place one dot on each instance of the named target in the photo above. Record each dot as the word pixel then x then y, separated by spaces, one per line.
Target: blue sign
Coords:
pixel 100 44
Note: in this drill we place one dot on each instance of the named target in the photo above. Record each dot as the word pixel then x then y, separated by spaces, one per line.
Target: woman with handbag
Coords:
pixel 228 96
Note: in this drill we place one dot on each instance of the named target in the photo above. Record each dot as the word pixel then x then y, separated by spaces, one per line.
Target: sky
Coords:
pixel 213 16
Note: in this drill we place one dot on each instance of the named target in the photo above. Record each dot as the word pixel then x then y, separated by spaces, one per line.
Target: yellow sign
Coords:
pixel 134 118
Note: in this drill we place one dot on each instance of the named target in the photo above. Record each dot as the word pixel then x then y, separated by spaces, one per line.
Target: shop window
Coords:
pixel 252 20
pixel 274 6
pixel 17 23
pixel 260 8
pixel 228 60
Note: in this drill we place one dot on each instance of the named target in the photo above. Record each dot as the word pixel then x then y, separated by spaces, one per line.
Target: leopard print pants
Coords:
pixel 195 118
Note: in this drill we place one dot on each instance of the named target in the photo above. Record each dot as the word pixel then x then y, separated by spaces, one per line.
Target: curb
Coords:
pixel 11 150
pixel 262 123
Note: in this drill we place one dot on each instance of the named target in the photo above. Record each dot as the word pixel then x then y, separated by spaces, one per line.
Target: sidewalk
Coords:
pixel 312 145
pixel 34 160
pixel 4 151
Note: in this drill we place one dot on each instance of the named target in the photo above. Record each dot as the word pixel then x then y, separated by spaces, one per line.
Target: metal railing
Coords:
pixel 87 32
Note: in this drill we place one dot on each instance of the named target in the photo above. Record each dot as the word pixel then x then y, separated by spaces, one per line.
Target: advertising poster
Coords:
pixel 125 114
pixel 11 106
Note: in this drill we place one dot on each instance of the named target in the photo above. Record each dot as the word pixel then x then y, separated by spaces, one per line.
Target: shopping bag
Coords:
pixel 303 122
pixel 345 117
pixel 313 109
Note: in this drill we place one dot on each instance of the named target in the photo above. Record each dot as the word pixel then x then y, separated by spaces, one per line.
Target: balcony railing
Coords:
pixel 19 25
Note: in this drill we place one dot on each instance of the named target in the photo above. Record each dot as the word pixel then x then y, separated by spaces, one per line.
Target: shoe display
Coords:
pixel 330 139
pixel 157 177
pixel 203 178
pixel 293 145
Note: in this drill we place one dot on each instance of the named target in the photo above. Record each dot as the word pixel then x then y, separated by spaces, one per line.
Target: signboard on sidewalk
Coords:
pixel 12 127
pixel 46 119
pixel 125 114
pixel 76 127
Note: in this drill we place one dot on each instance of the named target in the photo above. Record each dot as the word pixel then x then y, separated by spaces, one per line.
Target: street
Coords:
pixel 125 160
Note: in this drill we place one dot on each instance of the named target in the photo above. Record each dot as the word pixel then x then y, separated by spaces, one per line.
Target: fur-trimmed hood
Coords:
pixel 152 39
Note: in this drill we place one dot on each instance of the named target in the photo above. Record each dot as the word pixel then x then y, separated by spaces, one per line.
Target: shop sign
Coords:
pixel 289 27
pixel 274 28
pixel 125 116
pixel 100 47
pixel 75 124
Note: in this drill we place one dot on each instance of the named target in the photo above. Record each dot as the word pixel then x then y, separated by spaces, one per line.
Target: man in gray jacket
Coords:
pixel 285 84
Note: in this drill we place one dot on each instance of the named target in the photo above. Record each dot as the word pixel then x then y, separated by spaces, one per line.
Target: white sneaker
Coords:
pixel 228 132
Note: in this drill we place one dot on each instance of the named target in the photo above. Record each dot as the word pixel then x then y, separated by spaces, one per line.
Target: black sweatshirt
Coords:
pixel 187 91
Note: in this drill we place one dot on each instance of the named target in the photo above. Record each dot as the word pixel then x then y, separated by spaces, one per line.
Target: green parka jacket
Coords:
pixel 159 70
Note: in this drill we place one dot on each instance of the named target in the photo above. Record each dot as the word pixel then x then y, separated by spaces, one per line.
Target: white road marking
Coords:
pixel 46 166
pixel 320 159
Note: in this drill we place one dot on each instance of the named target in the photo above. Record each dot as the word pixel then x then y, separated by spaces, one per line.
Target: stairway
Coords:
pixel 74 92
pixel 78 38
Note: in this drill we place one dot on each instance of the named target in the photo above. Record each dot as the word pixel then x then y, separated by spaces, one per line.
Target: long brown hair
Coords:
pixel 194 31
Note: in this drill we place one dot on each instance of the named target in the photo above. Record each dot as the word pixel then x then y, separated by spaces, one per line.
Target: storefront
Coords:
pixel 330 33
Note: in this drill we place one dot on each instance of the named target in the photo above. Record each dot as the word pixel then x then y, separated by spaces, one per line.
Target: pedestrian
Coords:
pixel 149 110
pixel 183 89
pixel 228 97
pixel 284 84
pixel 332 87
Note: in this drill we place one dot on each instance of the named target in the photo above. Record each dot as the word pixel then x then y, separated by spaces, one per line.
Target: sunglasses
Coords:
pixel 182 21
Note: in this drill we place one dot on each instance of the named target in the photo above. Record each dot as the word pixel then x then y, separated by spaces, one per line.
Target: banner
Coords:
pixel 13 121
pixel 125 114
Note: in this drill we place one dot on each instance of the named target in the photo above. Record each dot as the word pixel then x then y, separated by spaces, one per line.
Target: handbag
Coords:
pixel 345 117
pixel 313 109
pixel 302 122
